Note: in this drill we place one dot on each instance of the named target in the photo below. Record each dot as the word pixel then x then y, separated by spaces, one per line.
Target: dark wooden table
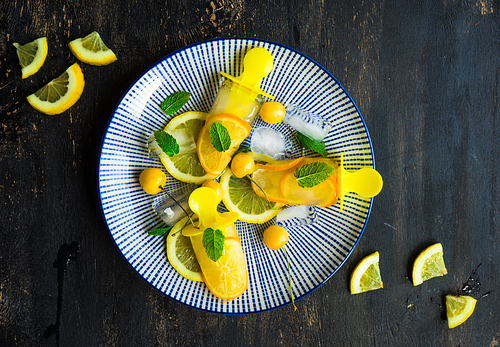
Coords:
pixel 425 76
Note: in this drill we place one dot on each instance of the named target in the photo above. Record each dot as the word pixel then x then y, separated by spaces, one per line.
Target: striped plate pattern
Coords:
pixel 315 252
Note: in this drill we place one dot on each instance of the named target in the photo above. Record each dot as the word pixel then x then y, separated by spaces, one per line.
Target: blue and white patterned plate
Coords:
pixel 315 252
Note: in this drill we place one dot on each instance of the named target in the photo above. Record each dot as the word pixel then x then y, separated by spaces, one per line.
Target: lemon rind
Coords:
pixel 100 58
pixel 167 163
pixel 420 261
pixel 75 90
pixel 470 305
pixel 245 217
pixel 178 266
pixel 359 271
pixel 38 60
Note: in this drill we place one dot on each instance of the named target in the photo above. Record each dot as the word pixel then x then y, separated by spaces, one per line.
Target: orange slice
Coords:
pixel 226 278
pixel 323 194
pixel 279 165
pixel 211 160
pixel 271 182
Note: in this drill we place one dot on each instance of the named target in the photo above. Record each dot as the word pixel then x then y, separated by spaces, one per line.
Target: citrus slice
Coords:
pixel 459 309
pixel 31 56
pixel 279 165
pixel 185 166
pixel 59 94
pixel 323 194
pixel 226 278
pixel 92 50
pixel 429 264
pixel 238 196
pixel 276 186
pixel 213 161
pixel 366 275
pixel 180 253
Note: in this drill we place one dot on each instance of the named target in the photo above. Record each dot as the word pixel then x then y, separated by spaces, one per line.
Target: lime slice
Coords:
pixel 366 275
pixel 459 309
pixel 31 56
pixel 429 264
pixel 238 196
pixel 59 94
pixel 185 166
pixel 92 50
pixel 180 253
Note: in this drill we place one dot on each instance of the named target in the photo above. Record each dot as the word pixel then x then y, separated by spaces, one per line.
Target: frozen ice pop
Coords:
pixel 240 95
pixel 282 186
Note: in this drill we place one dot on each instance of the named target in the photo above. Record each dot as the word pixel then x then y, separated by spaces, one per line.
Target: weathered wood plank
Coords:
pixel 425 77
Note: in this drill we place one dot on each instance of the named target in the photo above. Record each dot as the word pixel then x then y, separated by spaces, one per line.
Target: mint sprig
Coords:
pixel 312 174
pixel 166 142
pixel 213 242
pixel 316 146
pixel 219 137
pixel 159 231
pixel 174 102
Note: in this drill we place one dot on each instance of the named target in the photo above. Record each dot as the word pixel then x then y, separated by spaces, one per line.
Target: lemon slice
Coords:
pixel 429 264
pixel 180 253
pixel 238 196
pixel 31 56
pixel 59 94
pixel 366 275
pixel 92 50
pixel 185 166
pixel 459 309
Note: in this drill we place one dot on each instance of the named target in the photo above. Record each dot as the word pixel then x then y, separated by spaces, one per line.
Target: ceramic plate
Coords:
pixel 315 251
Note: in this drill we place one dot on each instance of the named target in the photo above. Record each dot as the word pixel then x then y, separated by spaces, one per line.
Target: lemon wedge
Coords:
pixel 429 264
pixel 31 56
pixel 59 94
pixel 92 50
pixel 366 275
pixel 459 309
pixel 180 253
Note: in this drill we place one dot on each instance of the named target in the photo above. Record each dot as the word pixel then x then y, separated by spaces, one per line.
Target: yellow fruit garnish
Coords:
pixel 31 56
pixel 213 161
pixel 366 275
pixel 92 50
pixel 429 264
pixel 59 94
pixel 180 253
pixel 458 309
pixel 238 196
pixel 185 166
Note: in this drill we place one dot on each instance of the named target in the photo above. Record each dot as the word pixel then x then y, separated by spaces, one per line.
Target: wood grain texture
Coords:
pixel 425 76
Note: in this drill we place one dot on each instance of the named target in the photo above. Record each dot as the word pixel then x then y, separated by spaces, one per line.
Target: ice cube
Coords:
pixel 269 142
pixel 308 123
pixel 296 215
pixel 168 210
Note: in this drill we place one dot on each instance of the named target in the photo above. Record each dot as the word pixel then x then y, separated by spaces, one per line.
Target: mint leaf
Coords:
pixel 243 149
pixel 159 231
pixel 219 136
pixel 312 174
pixel 174 102
pixel 213 242
pixel 308 143
pixel 166 142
